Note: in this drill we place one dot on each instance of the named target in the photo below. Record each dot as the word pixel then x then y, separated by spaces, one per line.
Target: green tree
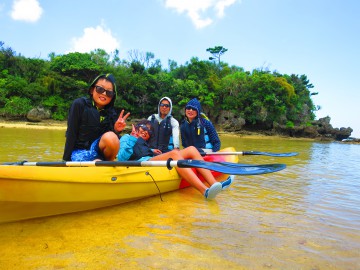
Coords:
pixel 216 52
pixel 7 58
pixel 260 97
pixel 16 107
pixel 31 69
pixel 302 109
pixel 58 107
pixel 78 65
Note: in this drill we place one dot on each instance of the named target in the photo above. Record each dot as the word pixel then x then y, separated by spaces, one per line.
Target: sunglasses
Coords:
pixel 101 90
pixel 144 128
pixel 189 108
pixel 164 105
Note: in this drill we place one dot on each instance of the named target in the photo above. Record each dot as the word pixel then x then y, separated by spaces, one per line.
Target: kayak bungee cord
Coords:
pixel 147 173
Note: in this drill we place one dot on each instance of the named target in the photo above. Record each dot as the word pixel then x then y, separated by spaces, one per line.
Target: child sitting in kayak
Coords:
pixel 135 147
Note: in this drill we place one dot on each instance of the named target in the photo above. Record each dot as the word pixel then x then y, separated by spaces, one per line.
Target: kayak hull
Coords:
pixel 34 194
pixel 33 191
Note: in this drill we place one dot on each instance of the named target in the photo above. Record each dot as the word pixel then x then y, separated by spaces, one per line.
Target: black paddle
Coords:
pixel 222 167
pixel 248 153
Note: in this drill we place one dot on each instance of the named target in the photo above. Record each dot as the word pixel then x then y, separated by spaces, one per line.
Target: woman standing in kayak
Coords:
pixel 93 125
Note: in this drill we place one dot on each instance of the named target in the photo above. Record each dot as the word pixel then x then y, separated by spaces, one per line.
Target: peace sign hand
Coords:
pixel 134 132
pixel 121 122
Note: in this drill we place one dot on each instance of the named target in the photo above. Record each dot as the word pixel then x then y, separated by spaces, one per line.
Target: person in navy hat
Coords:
pixel 196 130
pixel 93 124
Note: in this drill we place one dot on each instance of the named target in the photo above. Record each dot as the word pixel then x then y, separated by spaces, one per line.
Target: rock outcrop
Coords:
pixel 38 114
pixel 321 129
pixel 324 128
pixel 230 121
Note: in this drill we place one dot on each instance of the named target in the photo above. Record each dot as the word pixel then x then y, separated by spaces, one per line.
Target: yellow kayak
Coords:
pixel 37 191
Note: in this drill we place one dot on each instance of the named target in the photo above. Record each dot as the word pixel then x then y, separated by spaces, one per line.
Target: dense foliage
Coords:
pixel 260 97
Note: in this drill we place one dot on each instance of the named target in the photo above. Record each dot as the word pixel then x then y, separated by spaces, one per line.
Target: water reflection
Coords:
pixel 304 217
pixel 334 191
pixel 31 144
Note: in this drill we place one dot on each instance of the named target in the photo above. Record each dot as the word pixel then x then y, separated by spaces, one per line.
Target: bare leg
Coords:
pixel 192 153
pixel 186 173
pixel 109 145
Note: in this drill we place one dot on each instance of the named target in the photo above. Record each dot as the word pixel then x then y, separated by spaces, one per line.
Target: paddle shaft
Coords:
pixel 164 163
pixel 222 167
pixel 248 153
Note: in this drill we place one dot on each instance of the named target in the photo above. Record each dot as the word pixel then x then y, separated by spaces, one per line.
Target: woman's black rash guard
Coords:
pixel 86 124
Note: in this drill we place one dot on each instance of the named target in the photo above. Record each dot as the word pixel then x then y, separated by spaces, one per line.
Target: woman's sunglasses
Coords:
pixel 189 108
pixel 101 90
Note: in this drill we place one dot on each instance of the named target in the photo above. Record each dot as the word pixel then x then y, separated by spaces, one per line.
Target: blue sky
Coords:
pixel 318 38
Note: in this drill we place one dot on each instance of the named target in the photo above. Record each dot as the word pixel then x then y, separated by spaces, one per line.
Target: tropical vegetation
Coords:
pixel 261 97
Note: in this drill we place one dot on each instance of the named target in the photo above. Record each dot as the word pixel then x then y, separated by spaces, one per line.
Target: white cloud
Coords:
pixel 198 10
pixel 95 38
pixel 221 5
pixel 26 10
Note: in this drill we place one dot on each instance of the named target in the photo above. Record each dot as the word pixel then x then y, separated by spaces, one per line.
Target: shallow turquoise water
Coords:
pixel 304 217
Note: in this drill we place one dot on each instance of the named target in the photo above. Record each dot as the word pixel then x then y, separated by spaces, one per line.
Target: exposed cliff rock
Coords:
pixel 324 128
pixel 38 114
pixel 230 121
pixel 321 129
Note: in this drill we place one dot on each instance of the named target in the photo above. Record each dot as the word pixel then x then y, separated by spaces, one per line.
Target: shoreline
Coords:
pixel 56 125
pixel 62 125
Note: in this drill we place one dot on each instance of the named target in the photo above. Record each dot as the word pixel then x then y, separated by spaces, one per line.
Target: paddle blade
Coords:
pixel 250 169
pixel 231 168
pixel 291 154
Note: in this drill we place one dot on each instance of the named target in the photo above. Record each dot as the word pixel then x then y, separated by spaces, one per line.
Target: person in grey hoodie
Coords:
pixel 166 128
